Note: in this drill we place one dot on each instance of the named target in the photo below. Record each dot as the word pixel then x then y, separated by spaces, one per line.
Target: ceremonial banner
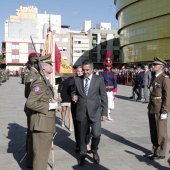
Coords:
pixel 64 67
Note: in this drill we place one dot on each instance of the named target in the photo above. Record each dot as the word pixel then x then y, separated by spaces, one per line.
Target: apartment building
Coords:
pixel 75 46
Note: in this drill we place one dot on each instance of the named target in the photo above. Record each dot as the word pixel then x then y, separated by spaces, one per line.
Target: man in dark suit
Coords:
pixel 92 106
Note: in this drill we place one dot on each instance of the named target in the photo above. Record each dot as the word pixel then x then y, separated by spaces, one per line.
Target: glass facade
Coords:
pixel 144 28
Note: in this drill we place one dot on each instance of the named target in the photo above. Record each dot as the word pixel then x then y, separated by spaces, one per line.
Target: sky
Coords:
pixel 73 12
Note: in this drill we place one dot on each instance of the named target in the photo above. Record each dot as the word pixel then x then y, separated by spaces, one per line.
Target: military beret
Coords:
pixel 159 61
pixel 33 57
pixel 46 58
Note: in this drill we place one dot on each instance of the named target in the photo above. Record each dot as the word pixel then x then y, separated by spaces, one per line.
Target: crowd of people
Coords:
pixel 88 98
pixel 4 75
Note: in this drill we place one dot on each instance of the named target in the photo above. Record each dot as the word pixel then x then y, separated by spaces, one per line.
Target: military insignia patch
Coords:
pixel 37 90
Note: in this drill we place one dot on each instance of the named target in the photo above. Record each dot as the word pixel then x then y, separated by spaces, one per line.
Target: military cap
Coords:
pixel 159 61
pixel 107 62
pixel 46 59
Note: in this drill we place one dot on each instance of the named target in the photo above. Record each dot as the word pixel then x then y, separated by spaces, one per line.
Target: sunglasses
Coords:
pixel 50 64
pixel 154 64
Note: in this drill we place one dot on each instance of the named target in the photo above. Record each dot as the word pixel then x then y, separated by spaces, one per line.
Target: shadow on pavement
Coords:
pixel 124 141
pixel 122 97
pixel 17 136
pixel 148 161
pixel 63 141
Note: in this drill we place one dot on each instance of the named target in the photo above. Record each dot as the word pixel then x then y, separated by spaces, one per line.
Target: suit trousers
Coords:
pixel 146 93
pixel 41 148
pixel 75 123
pixel 83 127
pixel 158 133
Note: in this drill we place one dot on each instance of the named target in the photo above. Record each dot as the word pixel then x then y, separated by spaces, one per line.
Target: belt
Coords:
pixel 109 87
pixel 156 97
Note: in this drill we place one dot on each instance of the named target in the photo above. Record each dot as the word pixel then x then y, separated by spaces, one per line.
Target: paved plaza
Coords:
pixel 123 142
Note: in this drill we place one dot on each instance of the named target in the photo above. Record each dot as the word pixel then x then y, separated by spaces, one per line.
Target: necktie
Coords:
pixel 86 87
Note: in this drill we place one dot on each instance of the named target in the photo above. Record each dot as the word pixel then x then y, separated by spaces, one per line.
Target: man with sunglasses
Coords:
pixel 158 109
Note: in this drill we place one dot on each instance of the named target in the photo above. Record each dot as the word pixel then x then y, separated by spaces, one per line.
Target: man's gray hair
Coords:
pixel 86 62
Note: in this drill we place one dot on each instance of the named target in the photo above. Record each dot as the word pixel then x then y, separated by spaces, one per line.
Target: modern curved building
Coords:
pixel 144 29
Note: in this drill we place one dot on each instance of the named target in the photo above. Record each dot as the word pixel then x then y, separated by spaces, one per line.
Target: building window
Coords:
pixel 15 57
pixel 30 47
pixel 60 48
pixel 15 47
pixel 64 48
pixel 64 39
pixel 57 39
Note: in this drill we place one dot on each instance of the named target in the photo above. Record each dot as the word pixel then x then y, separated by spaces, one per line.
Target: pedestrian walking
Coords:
pixel 92 104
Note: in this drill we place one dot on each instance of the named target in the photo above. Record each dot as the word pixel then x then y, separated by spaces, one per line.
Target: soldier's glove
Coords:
pixel 163 116
pixel 52 106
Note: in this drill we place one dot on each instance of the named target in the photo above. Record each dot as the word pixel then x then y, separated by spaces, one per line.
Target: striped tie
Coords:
pixel 86 86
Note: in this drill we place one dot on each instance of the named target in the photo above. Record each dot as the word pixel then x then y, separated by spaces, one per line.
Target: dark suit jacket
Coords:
pixel 138 78
pixel 95 104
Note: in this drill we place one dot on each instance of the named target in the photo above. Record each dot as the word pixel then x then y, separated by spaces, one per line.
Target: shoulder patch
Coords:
pixel 37 90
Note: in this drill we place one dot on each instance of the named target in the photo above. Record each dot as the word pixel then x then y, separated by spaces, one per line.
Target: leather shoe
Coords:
pixel 81 161
pixel 131 97
pixel 156 157
pixel 145 102
pixel 89 151
pixel 96 157
pixel 149 155
pixel 77 150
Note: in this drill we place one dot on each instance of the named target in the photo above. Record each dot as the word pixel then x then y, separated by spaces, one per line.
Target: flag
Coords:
pixel 57 59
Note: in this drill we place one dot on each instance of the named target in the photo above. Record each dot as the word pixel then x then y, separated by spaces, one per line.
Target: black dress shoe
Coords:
pixel 156 157
pixel 96 157
pixel 131 97
pixel 89 151
pixel 81 161
pixel 77 150
pixel 149 155
pixel 145 102
pixel 138 99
